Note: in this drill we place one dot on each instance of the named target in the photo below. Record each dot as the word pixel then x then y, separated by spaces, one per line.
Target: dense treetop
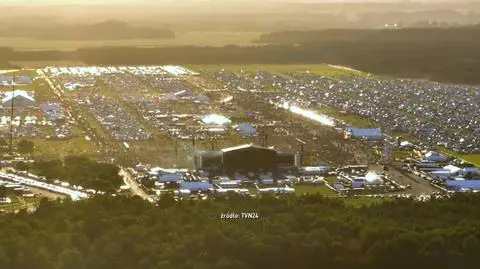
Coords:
pixel 293 232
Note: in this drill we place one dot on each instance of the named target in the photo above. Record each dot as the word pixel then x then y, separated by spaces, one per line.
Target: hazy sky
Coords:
pixel 89 2
pixel 150 1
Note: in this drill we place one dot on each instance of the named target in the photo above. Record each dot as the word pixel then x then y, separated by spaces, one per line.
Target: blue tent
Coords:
pixel 196 186
pixel 357 185
pixel 338 186
pixel 246 129
pixel 175 177
pixel 365 133
pixel 463 184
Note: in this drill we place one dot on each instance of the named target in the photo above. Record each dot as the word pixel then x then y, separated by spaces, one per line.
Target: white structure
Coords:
pixel 19 99
pixel 435 157
pixel 313 170
pixel 372 178
pixel 231 191
pixel 74 194
pixel 215 119
pixel 286 190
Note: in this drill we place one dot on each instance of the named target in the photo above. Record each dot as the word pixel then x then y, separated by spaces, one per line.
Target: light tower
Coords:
pixel 11 115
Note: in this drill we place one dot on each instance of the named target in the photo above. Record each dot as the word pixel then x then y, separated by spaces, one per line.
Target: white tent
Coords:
pixel 435 157
pixel 373 178
pixel 19 99
pixel 216 119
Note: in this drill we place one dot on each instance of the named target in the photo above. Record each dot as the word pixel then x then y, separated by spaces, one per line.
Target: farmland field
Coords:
pixel 181 39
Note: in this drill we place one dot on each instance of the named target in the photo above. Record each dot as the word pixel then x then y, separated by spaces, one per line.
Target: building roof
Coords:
pixel 441 172
pixel 16 93
pixel 463 184
pixel 432 155
pixel 452 168
pixel 196 185
pixel 210 154
pixel 246 146
pixel 170 177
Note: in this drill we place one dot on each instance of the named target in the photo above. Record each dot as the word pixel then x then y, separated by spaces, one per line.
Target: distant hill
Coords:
pixel 107 30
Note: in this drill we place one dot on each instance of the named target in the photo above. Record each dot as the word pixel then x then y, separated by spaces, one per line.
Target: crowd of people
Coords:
pixel 120 125
pixel 436 113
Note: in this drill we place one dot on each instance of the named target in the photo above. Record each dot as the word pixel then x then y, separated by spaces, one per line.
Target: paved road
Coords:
pixel 134 186
pixel 74 194
pixel 419 185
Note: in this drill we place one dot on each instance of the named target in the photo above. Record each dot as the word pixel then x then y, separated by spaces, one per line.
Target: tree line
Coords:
pixel 294 232
pixel 447 59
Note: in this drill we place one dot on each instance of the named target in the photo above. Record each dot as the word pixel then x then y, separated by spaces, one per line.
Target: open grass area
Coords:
pixel 472 158
pixel 62 148
pixel 181 39
pixel 350 119
pixel 405 136
pixel 16 204
pixel 321 69
pixel 19 203
pixel 331 179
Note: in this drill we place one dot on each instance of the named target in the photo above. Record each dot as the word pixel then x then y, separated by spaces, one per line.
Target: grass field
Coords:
pixel 472 158
pixel 354 120
pixel 19 203
pixel 62 148
pixel 321 69
pixel 182 39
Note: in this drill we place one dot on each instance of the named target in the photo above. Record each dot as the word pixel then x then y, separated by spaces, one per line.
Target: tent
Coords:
pixel 373 134
pixel 435 157
pixel 216 119
pixel 196 186
pixel 19 99
pixel 372 178
pixel 246 129
pixel 202 98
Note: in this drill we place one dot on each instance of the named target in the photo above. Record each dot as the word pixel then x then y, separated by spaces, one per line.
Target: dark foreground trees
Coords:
pixel 82 171
pixel 304 232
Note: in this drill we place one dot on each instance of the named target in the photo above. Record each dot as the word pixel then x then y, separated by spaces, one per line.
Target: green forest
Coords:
pixel 77 170
pixel 291 232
